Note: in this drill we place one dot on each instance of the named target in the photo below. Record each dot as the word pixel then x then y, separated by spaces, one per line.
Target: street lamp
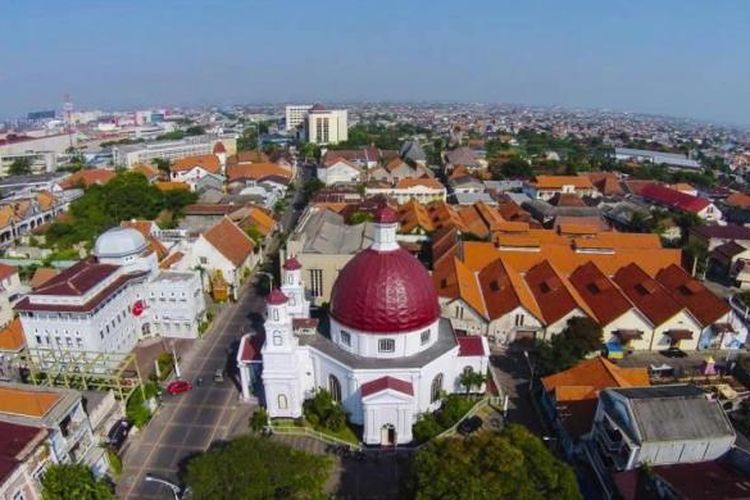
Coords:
pixel 176 490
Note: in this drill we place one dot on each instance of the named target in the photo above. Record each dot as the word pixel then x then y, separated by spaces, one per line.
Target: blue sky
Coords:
pixel 685 58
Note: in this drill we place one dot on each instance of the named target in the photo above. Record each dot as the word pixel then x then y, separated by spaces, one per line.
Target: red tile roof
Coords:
pixel 77 279
pixel 674 199
pixel 210 163
pixel 553 297
pixel 691 293
pixel 230 241
pixel 251 347
pixel 14 440
pixel 387 382
pixel 87 178
pixel 7 271
pixel 604 299
pixel 647 294
pixel 470 345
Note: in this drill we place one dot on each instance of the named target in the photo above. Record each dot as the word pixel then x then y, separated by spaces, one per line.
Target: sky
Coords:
pixel 688 58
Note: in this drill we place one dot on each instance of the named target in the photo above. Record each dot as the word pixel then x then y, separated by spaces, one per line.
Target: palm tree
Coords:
pixel 470 379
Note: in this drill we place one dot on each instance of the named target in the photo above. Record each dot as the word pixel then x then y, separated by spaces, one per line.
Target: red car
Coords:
pixel 178 387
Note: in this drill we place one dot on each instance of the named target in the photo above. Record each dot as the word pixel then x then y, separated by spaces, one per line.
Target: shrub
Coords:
pixel 321 410
pixel 115 463
pixel 135 409
pixel 259 420
pixel 166 363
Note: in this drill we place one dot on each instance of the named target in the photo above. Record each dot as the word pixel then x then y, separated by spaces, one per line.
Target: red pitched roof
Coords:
pixel 691 293
pixel 87 178
pixel 77 279
pixel 7 271
pixel 250 348
pixel 604 299
pixel 470 345
pixel 230 241
pixel 647 294
pixel 210 163
pixel 387 382
pixel 14 439
pixel 674 199
pixel 550 292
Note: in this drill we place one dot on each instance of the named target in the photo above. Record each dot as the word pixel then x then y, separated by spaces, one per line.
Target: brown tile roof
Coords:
pixel 259 219
pixel 596 373
pixel 558 181
pixel 45 199
pixel 210 163
pixel 87 178
pixel 425 182
pixel 147 170
pixel 41 276
pixel 171 260
pixel 141 225
pixel 706 307
pixel 7 271
pixel 566 200
pixel 603 298
pixel 171 186
pixel 16 401
pixel 12 337
pixel 252 155
pixel 256 171
pixel 606 183
pixel 230 241
pixel 647 294
pixel 739 200
pixel 550 292
pixel 77 279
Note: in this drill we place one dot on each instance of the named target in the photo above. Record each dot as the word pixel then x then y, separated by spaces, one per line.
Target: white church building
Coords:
pixel 385 354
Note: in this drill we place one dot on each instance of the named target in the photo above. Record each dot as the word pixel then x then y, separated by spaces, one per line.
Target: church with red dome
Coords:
pixel 385 353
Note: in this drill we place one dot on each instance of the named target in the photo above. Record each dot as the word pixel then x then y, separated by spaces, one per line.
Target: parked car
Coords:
pixel 674 352
pixel 469 425
pixel 178 387
pixel 118 433
pixel 219 376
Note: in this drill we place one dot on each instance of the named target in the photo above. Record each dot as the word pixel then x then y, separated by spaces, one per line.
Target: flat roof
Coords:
pixel 173 276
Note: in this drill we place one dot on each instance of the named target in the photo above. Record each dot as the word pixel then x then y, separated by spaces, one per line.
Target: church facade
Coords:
pixel 385 353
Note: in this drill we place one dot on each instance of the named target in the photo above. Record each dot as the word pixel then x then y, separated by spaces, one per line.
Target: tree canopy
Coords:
pixel 255 467
pixel 20 166
pixel 127 196
pixel 580 337
pixel 511 464
pixel 73 482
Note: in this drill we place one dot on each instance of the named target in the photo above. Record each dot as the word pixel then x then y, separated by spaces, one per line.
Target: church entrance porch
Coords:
pixel 388 435
pixel 388 409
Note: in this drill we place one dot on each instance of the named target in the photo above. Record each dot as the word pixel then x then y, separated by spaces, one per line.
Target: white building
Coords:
pixel 130 155
pixel 339 171
pixel 389 355
pixel 296 114
pixel 422 190
pixel 327 126
pixel 108 302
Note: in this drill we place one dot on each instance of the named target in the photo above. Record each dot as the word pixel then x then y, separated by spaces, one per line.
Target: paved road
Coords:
pixel 187 424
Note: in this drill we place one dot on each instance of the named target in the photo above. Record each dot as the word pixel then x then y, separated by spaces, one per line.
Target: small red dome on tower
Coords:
pixel 276 297
pixel 292 264
pixel 386 215
pixel 219 148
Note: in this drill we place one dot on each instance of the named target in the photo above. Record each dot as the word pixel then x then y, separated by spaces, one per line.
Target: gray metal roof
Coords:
pixel 445 342
pixel 674 413
pixel 471 198
pixel 675 159
pixel 325 232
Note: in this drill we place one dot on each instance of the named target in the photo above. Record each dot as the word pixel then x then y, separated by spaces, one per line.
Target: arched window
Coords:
pixel 334 386
pixel 282 402
pixel 437 388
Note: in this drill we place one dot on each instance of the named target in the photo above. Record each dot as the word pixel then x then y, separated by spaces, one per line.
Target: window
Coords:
pixel 203 260
pixel 386 345
pixel 437 388
pixel 519 319
pixel 277 340
pixel 316 282
pixel 275 314
pixel 38 339
pixel 346 338
pixel 18 495
pixel 334 386
pixel 425 337
pixel 282 402
pixel 459 312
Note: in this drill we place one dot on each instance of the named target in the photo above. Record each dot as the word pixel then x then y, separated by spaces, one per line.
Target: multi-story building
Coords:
pixel 108 302
pixel 296 114
pixel 327 126
pixel 422 190
pixel 23 460
pixel 130 155
pixel 42 151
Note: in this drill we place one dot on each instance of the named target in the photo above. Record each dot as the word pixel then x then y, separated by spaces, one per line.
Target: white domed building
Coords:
pixel 387 356
pixel 108 302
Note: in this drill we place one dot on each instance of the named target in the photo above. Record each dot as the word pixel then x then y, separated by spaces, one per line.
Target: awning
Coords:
pixel 680 334
pixel 626 335
pixel 722 327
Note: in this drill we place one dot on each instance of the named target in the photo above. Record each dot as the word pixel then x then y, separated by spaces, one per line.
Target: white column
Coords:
pixel 245 381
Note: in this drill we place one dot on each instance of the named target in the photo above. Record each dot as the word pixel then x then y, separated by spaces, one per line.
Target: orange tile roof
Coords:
pixel 504 290
pixel 7 215
pixel 210 163
pixel 143 226
pixel 454 280
pixel 26 402
pixel 252 155
pixel 260 220
pixel 7 271
pixel 42 275
pixel 171 260
pixel 147 170
pixel 573 228
pixel 45 199
pixel 413 215
pixel 87 178
pixel 257 171
pixel 230 241
pixel 597 374
pixel 738 199
pixel 513 227
pixel 171 185
pixel 558 181
pixel 555 297
pixel 12 337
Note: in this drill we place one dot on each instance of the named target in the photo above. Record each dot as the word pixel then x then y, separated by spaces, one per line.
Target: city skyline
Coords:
pixel 666 59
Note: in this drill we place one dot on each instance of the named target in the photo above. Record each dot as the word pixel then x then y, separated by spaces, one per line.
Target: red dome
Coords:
pixel 292 264
pixel 219 148
pixel 386 215
pixel 276 297
pixel 384 292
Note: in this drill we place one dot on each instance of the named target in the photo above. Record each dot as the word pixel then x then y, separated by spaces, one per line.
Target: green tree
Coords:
pixel 162 164
pixel 514 168
pixel 471 379
pixel 195 130
pixel 311 187
pixel 73 482
pixel 507 465
pixel 20 166
pixel 254 467
pixel 360 217
pixel 580 337
pixel 322 411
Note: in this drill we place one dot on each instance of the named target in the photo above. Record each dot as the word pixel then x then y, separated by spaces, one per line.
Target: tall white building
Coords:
pixel 108 302
pixel 296 114
pixel 327 126
pixel 132 154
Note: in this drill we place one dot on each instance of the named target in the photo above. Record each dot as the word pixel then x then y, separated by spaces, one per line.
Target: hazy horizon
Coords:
pixel 665 58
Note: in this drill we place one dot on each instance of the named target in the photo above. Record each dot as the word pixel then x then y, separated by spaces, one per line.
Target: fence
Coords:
pixel 293 430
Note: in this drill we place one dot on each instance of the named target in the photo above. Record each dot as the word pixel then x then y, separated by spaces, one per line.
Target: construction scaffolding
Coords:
pixel 83 370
